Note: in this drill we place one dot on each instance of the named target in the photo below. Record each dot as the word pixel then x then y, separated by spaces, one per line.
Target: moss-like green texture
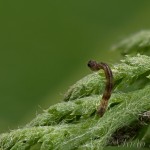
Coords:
pixel 139 42
pixel 74 124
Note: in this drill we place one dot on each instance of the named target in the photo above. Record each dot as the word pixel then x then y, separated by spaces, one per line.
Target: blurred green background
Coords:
pixel 45 45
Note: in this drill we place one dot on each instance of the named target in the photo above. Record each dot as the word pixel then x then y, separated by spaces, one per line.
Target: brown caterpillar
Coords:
pixel 94 66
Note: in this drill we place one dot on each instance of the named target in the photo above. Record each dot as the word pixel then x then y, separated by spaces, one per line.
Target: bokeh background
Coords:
pixel 45 45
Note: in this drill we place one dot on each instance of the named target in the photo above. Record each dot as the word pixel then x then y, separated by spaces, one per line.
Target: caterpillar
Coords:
pixel 94 66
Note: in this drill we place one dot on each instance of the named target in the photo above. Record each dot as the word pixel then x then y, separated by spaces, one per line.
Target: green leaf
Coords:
pixel 136 43
pixel 74 124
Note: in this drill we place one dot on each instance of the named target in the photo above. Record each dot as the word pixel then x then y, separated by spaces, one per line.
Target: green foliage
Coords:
pixel 139 42
pixel 74 124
